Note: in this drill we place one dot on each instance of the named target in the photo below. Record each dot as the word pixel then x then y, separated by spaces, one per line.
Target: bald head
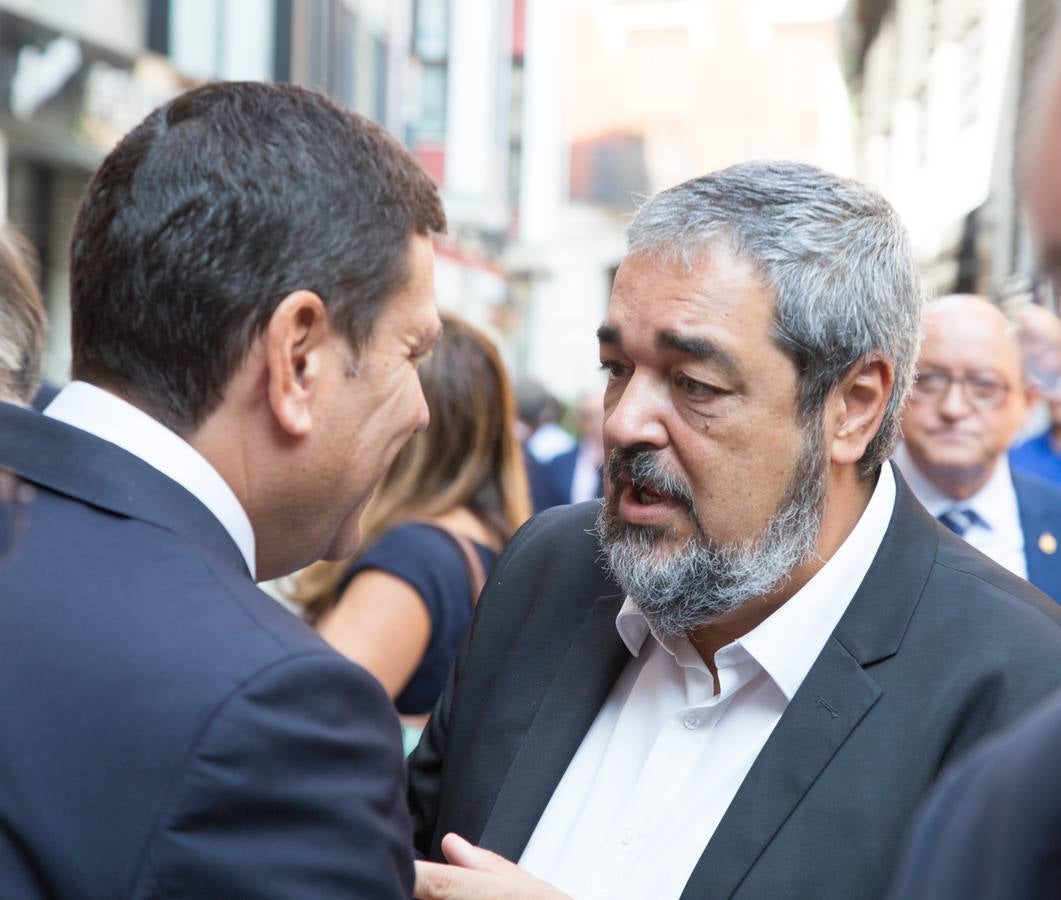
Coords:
pixel 957 323
pixel 1035 321
pixel 968 403
pixel 1039 332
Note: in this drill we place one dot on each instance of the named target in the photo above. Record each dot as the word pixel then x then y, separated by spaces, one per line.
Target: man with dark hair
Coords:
pixel 251 292
pixel 750 695
pixel 22 321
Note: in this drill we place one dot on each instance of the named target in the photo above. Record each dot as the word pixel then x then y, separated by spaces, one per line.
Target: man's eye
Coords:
pixel 697 389
pixel 932 381
pixel 614 369
pixel 986 387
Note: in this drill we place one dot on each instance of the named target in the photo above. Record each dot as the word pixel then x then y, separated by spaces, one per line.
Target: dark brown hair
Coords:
pixel 22 320
pixel 211 211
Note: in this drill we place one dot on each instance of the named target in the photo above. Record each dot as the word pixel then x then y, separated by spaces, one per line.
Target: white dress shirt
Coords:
pixel 998 534
pixel 101 413
pixel 665 756
pixel 549 441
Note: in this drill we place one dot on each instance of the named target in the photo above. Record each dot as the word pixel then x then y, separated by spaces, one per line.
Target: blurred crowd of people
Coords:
pixel 797 558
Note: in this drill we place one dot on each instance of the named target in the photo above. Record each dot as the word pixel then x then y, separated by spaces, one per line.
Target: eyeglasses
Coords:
pixel 14 496
pixel 981 390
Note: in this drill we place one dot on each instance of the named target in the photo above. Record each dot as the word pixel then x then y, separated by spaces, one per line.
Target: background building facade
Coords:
pixel 543 122
pixel 943 90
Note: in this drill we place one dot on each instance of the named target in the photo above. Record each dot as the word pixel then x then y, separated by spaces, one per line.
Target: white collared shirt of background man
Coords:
pixel 998 533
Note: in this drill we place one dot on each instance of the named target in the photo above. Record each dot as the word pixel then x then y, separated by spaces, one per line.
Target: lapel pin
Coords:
pixel 1047 543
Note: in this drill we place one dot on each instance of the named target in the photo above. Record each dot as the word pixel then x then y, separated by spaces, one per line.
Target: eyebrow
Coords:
pixel 700 349
pixel 425 341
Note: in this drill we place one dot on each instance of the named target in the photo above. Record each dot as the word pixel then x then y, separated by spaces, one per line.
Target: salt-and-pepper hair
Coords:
pixel 22 320
pixel 847 286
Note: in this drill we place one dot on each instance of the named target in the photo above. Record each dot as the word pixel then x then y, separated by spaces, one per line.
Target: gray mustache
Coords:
pixel 644 467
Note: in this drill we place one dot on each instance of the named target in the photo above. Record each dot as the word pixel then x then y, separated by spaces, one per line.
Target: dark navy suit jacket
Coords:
pixel 1039 505
pixel 992 829
pixel 539 481
pixel 168 730
pixel 558 478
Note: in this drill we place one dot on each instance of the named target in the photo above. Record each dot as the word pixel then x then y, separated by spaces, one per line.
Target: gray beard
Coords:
pixel 679 591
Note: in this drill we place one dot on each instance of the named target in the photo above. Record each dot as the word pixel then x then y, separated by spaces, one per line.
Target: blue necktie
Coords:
pixel 960 520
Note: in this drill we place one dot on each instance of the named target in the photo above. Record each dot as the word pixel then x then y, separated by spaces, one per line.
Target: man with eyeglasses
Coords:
pixel 966 406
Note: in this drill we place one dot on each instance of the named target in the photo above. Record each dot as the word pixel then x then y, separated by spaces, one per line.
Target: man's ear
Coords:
pixel 296 342
pixel 856 408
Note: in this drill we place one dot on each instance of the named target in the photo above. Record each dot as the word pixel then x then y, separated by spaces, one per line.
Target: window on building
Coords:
pixel 972 51
pixel 431 53
pixel 379 79
pixel 431 29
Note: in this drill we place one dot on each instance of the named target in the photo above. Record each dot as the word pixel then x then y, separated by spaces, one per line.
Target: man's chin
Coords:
pixel 955 467
pixel 653 546
pixel 347 540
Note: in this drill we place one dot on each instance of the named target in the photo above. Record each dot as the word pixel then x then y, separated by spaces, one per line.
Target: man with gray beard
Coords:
pixel 704 579
pixel 737 676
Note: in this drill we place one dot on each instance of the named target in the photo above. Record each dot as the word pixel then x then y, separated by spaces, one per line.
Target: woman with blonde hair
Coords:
pixel 449 502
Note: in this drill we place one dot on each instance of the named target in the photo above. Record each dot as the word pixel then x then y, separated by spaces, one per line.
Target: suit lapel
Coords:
pixel 69 461
pixel 831 702
pixel 585 676
pixel 834 697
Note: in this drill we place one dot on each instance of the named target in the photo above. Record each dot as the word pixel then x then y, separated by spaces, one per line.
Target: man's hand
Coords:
pixel 477 874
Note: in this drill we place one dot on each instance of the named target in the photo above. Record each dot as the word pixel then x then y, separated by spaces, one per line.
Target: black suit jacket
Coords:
pixel 939 647
pixel 168 730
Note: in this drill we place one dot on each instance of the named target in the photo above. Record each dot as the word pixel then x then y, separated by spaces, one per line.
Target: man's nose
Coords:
pixel 954 404
pixel 637 417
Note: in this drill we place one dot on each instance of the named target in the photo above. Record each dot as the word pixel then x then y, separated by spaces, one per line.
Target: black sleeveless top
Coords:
pixel 432 564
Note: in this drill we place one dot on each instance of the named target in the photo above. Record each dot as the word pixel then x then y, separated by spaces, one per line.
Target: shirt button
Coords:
pixel 691 721
pixel 626 837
